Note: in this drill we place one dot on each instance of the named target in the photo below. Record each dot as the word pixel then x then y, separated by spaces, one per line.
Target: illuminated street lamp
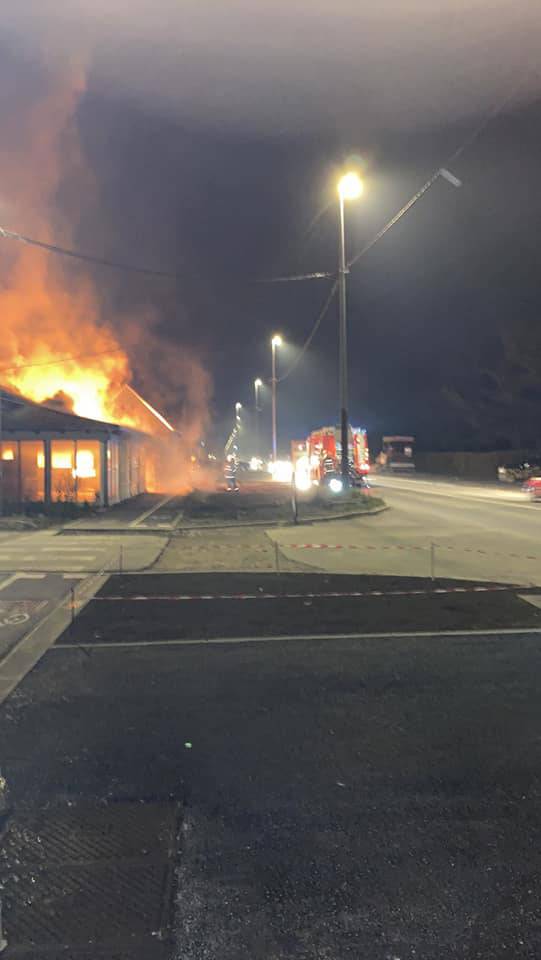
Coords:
pixel 275 342
pixel 258 383
pixel 350 187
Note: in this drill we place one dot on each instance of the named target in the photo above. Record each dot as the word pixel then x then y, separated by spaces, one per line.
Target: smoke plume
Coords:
pixel 52 310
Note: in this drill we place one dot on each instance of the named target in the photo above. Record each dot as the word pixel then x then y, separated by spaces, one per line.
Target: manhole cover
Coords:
pixel 85 877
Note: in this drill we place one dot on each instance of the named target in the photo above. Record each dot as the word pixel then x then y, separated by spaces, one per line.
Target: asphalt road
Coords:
pixel 344 799
pixel 479 532
pixel 156 608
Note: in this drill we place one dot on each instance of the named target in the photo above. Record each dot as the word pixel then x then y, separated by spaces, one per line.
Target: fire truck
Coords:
pixel 318 459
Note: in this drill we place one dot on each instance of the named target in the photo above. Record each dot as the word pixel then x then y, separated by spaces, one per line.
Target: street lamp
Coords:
pixel 275 342
pixel 258 383
pixel 350 187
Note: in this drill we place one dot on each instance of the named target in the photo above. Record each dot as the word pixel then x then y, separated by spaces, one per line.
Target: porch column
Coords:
pixel 104 484
pixel 47 471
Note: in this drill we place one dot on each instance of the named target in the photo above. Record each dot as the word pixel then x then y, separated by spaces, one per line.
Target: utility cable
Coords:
pixel 314 330
pixel 53 363
pixel 86 257
pixel 440 172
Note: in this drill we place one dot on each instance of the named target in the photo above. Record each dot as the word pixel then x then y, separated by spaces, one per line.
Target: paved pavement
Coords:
pixel 25 599
pixel 486 532
pixel 341 799
pixel 43 576
pixel 157 607
pixel 233 548
pixel 49 551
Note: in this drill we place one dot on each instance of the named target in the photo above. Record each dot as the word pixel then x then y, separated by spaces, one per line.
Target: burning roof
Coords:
pixel 130 407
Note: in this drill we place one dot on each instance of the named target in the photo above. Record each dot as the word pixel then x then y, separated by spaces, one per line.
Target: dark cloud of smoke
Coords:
pixel 291 65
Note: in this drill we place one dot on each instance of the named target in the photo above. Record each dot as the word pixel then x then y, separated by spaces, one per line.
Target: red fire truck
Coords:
pixel 318 459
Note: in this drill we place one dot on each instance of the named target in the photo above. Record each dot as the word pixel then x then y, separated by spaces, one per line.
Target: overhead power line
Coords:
pixel 317 275
pixel 86 257
pixel 54 363
pixel 442 171
pixel 321 316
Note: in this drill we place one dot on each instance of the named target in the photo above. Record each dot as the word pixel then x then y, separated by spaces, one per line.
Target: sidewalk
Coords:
pixel 146 513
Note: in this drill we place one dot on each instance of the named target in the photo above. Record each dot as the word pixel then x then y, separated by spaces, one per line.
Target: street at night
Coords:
pixel 270 480
pixel 360 797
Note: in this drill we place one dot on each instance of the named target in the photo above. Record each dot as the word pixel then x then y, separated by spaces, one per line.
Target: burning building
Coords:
pixel 74 428
pixel 50 455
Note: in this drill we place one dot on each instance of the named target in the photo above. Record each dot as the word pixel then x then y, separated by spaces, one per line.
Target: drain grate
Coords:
pixel 95 876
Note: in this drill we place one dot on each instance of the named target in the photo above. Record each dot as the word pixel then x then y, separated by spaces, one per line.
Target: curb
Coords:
pixel 31 647
pixel 118 531
pixel 235 524
pixel 342 516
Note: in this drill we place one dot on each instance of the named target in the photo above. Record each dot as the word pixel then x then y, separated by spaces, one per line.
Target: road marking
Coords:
pixel 533 598
pixel 71 556
pixel 403 635
pixel 66 549
pixel 21 576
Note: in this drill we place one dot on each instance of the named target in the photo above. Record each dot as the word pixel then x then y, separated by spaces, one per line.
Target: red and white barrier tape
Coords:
pixel 400 546
pixel 306 596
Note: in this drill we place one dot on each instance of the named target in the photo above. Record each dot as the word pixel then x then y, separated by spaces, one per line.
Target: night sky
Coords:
pixel 215 132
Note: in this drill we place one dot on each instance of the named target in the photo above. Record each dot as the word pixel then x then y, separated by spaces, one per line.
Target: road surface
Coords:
pixel 340 799
pixel 486 532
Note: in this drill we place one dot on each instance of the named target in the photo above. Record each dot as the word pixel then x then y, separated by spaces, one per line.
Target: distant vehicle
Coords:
pixel 318 460
pixel 519 472
pixel 532 486
pixel 397 454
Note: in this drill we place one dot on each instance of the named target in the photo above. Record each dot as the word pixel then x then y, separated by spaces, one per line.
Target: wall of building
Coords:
pixel 74 470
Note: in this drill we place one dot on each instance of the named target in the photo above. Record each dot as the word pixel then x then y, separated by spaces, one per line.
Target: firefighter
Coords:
pixel 230 472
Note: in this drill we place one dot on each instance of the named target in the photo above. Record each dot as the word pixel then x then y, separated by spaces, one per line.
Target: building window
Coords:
pixel 9 468
pixel 87 471
pixel 76 471
pixel 32 470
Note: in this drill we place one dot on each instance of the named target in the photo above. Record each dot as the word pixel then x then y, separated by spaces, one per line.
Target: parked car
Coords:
pixel 519 472
pixel 533 488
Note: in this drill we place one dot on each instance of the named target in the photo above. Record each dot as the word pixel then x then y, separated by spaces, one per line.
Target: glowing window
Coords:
pixel 84 464
pixel 61 460
pixel 8 453
pixel 40 460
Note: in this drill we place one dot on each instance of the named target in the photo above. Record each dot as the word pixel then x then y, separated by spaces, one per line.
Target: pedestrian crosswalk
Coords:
pixel 49 552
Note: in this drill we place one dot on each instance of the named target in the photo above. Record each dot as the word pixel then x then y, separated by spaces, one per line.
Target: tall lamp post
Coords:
pixel 349 188
pixel 275 342
pixel 258 383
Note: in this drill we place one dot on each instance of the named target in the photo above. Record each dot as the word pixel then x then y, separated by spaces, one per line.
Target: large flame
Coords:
pixel 44 326
pixel 46 320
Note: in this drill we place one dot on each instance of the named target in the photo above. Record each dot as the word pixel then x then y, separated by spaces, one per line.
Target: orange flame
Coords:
pixel 43 319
